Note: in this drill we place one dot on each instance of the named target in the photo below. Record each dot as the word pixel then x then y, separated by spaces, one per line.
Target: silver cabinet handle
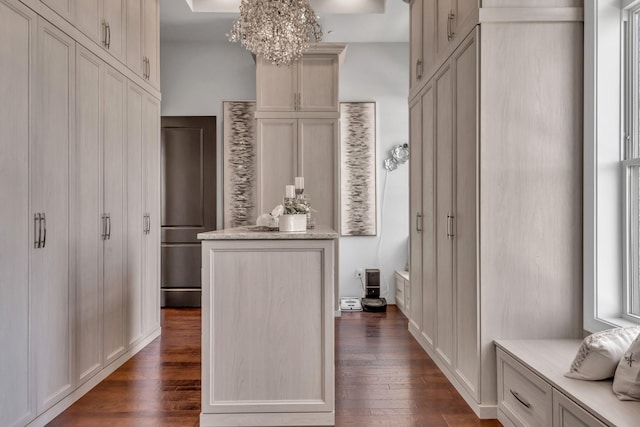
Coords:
pixel 37 230
pixel 148 223
pixel 520 399
pixel 450 233
pixel 104 227
pixel 44 234
pixel 419 222
pixel 148 68
pixel 450 33
pixel 108 226
pixel 419 69
pixel 108 36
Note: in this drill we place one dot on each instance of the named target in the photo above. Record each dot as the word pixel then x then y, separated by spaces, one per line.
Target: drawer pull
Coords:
pixel 520 399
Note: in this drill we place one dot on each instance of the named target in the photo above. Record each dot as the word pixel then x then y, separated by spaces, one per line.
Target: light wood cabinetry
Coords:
pixel 63 166
pixel 267 350
pixel 533 391
pixel 103 21
pixel 299 147
pixel 17 235
pixel 487 208
pixel 64 8
pixel 309 84
pixel 53 285
pixel 143 33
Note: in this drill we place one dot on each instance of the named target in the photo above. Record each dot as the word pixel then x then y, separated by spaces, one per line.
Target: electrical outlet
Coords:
pixel 360 273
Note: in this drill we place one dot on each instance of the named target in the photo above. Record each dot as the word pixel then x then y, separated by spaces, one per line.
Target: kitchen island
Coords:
pixel 267 327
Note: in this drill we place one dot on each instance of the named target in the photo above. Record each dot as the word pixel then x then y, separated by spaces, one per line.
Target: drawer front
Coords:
pixel 567 413
pixel 523 397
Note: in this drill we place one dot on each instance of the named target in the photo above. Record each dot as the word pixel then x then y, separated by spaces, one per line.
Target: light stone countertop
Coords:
pixel 254 233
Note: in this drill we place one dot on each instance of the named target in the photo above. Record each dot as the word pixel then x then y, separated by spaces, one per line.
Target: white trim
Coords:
pixel 603 246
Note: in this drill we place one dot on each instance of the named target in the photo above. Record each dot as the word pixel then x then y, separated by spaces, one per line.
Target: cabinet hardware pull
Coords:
pixel 144 67
pixel 44 234
pixel 450 233
pixel 108 226
pixel 103 235
pixel 419 69
pixel 450 33
pixel 148 223
pixel 108 36
pixel 104 33
pixel 419 222
pixel 520 399
pixel 37 230
pixel 148 68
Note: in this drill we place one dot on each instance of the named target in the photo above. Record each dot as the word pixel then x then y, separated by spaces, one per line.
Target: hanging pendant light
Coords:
pixel 277 30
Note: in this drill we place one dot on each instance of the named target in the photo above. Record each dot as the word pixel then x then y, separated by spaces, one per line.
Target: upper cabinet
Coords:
pixel 63 8
pixel 309 84
pixel 103 21
pixel 143 33
pixel 437 28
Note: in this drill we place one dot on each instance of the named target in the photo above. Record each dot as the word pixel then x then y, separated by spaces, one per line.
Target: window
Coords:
pixel 631 165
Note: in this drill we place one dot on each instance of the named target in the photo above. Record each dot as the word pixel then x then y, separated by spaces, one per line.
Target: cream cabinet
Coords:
pixel 436 28
pixel 103 21
pixel 64 8
pixel 403 291
pixel 495 196
pixel 18 227
pixel 299 147
pixel 143 32
pixel 53 289
pixel 143 158
pixel 309 84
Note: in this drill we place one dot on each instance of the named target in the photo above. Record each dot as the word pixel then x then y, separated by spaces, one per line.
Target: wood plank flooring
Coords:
pixel 383 378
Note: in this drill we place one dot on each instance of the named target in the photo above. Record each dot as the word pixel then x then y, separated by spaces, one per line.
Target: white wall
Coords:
pixel 197 77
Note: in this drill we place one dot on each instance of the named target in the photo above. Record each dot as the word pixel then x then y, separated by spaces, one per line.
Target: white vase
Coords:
pixel 296 222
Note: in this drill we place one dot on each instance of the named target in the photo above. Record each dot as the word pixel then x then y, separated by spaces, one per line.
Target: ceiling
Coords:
pixel 350 21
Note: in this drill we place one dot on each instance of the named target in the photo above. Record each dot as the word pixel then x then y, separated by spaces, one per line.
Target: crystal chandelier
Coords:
pixel 277 30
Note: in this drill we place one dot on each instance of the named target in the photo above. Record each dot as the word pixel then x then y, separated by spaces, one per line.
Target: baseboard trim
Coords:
pixel 484 412
pixel 47 416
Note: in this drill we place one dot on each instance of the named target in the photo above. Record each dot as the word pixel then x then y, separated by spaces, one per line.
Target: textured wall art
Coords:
pixel 358 168
pixel 239 163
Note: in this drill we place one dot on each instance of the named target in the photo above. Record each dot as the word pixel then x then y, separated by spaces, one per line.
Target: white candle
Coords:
pixel 290 191
pixel 299 183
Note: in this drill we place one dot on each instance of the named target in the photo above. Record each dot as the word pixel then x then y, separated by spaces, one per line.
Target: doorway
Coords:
pixel 188 204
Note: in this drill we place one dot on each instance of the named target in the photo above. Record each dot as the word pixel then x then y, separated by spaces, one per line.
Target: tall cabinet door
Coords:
pixel 444 211
pixel 53 290
pixel 134 35
pixel 416 213
pixel 466 227
pixel 88 19
pixel 277 160
pixel 136 219
pixel 151 160
pixel 88 206
pixel 429 234
pixel 114 16
pixel 416 61
pixel 151 38
pixel 317 157
pixel 114 258
pixel 17 45
pixel 318 83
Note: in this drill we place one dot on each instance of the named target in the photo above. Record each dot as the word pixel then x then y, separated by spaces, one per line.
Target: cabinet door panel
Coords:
pixel 429 36
pixel 444 210
pixel 466 230
pixel 88 19
pixel 88 208
pixel 134 35
pixel 415 210
pixel 428 249
pixel 135 213
pixel 444 24
pixel 151 39
pixel 151 159
pixel 17 44
pixel 53 286
pixel 114 15
pixel 318 83
pixel 114 254
pixel 276 86
pixel 277 160
pixel 318 164
pixel 416 40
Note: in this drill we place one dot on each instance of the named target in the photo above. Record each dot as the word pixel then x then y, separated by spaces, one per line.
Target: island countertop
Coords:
pixel 255 233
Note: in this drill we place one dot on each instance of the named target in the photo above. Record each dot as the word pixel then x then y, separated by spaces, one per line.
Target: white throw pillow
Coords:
pixel 599 354
pixel 626 383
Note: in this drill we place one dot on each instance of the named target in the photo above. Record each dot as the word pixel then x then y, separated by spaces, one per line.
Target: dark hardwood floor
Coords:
pixel 383 378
